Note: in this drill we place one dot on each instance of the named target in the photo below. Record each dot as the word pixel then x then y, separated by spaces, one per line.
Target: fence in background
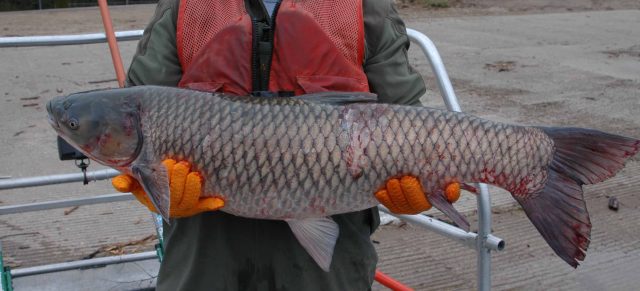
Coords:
pixel 14 5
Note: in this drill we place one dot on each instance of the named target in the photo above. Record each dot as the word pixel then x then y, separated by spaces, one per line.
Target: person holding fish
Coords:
pixel 265 153
pixel 270 49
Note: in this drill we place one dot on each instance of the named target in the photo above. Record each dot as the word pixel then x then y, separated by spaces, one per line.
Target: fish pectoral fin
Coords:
pixel 155 181
pixel 338 98
pixel 318 237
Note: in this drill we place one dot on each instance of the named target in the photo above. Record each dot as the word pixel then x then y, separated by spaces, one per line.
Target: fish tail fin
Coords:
pixel 558 211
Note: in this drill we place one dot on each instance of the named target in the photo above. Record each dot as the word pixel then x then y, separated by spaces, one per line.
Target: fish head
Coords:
pixel 102 124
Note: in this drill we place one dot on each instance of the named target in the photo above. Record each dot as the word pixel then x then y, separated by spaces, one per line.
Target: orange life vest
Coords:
pixel 317 46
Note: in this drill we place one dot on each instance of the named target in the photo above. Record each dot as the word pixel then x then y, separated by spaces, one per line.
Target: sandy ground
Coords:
pixel 529 62
pixel 512 7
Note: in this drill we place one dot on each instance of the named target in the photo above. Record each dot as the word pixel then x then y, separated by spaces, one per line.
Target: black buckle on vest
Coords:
pixel 271 94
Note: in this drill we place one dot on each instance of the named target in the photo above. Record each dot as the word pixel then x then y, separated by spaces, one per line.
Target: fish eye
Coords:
pixel 73 123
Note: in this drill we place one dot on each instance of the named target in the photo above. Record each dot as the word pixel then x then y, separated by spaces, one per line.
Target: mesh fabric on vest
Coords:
pixel 340 19
pixel 201 21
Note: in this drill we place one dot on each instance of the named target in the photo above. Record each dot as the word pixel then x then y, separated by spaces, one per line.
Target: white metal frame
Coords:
pixel 483 241
pixel 54 40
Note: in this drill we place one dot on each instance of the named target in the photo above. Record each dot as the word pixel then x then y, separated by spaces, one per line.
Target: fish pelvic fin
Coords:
pixel 318 237
pixel 155 182
pixel 558 211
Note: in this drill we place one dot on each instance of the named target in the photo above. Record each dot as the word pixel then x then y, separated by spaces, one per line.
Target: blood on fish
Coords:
pixel 128 127
pixel 352 158
pixel 317 205
pixel 523 186
pixel 102 140
pixel 515 186
pixel 87 148
pixel 486 175
pixel 355 152
pixel 632 153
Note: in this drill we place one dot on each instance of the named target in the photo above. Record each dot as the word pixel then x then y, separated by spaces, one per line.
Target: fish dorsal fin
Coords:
pixel 155 181
pixel 318 236
pixel 338 98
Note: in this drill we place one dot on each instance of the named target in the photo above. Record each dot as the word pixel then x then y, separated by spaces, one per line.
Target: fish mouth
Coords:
pixel 51 117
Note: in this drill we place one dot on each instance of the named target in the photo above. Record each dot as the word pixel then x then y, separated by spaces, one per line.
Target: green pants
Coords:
pixel 219 251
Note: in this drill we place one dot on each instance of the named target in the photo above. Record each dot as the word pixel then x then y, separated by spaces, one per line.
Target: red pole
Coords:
pixel 111 39
pixel 390 283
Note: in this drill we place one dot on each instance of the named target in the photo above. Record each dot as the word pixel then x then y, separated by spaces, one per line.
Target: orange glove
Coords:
pixel 405 195
pixel 185 188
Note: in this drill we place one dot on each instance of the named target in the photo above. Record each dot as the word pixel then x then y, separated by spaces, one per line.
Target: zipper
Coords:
pixel 262 46
pixel 271 44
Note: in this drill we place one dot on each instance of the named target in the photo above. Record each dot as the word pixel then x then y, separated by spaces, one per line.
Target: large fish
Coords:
pixel 305 158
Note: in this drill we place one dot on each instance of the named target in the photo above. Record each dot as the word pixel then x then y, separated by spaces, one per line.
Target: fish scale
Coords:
pixel 287 158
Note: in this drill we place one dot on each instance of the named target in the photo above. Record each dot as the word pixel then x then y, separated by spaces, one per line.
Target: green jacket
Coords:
pixel 219 251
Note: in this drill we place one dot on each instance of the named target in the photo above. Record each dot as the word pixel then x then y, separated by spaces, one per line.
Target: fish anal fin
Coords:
pixel 439 201
pixel 318 237
pixel 470 188
pixel 155 182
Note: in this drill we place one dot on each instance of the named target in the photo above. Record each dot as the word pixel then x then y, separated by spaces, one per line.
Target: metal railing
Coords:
pixel 71 39
pixel 483 241
pixel 69 4
pixel 6 274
